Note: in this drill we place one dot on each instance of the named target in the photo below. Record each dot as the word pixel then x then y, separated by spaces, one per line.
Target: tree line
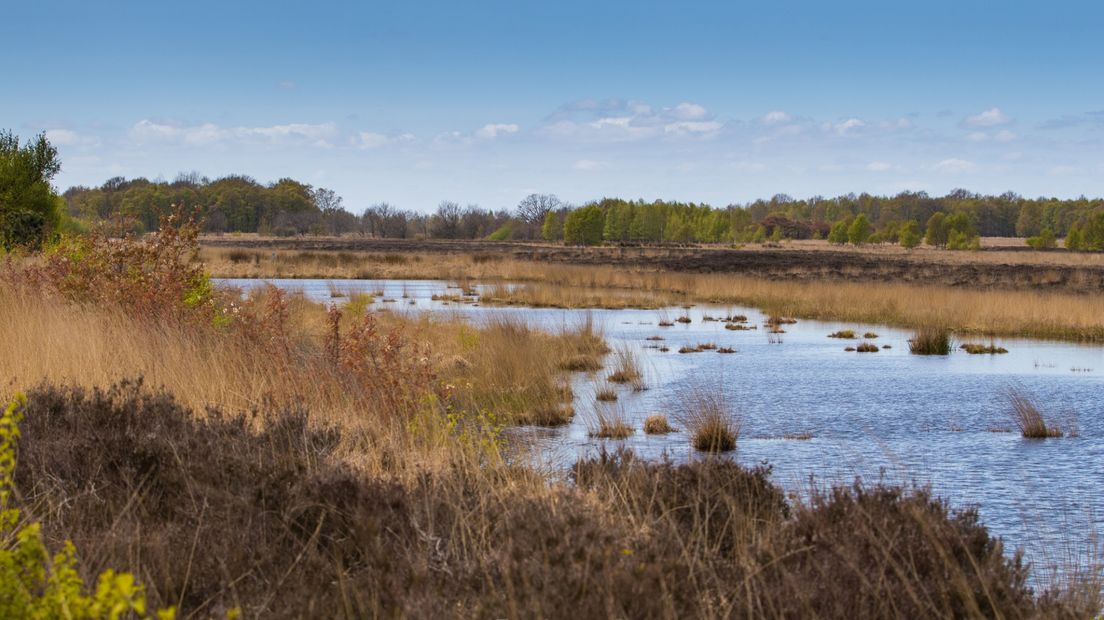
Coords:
pixel 30 209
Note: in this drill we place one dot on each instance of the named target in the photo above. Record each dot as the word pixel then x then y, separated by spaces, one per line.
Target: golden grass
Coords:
pixel 1029 419
pixel 657 425
pixel 1038 314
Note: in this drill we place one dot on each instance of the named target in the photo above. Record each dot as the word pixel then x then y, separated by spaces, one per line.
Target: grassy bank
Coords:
pixel 1037 314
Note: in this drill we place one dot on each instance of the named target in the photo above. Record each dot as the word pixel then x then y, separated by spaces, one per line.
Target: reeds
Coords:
pixel 1028 418
pixel 626 368
pixel 609 422
pixel 706 416
pixel 867 347
pixel 848 334
pixel 982 349
pixel 930 340
pixel 657 425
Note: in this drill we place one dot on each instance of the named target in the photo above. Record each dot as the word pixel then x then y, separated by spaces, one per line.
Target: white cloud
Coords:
pixel 843 127
pixel 615 120
pixel 989 118
pixel 775 117
pixel 491 131
pixel 689 111
pixel 590 165
pixel 878 166
pixel 147 131
pixel 372 140
pixel 67 137
pixel 977 136
pixel 955 166
pixel 1005 136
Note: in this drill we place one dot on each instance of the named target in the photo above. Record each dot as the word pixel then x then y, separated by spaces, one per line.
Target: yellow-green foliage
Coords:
pixel 32 585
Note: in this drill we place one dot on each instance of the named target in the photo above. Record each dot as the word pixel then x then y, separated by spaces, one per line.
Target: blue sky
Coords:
pixel 483 102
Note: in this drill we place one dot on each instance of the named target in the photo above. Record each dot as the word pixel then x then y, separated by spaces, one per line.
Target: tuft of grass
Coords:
pixel 930 341
pixel 657 425
pixel 867 347
pixel 737 327
pixel 706 416
pixel 982 349
pixel 627 369
pixel 609 423
pixel 870 335
pixel 683 319
pixel 606 395
pixel 581 363
pixel 848 334
pixel 726 350
pixel 689 349
pixel 1028 418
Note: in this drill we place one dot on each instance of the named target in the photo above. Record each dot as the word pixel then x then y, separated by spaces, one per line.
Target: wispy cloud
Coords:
pixel 147 131
pixel 955 166
pixel 993 117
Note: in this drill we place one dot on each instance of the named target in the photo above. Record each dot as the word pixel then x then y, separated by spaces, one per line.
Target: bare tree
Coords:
pixel 533 208
pixel 445 223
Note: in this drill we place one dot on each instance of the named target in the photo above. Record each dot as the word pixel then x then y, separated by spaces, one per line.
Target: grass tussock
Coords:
pixel 626 368
pixel 609 422
pixel 930 341
pixel 712 427
pixel 982 349
pixel 867 347
pixel 1029 419
pixel 848 334
pixel 657 425
pixel 606 395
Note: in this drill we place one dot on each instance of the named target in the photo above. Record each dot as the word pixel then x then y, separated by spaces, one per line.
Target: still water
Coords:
pixel 943 421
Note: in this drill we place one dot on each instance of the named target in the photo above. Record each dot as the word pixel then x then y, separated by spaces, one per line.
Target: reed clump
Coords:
pixel 1029 419
pixel 627 368
pixel 609 423
pixel 867 347
pixel 848 334
pixel 931 341
pixel 657 425
pixel 706 417
pixel 974 348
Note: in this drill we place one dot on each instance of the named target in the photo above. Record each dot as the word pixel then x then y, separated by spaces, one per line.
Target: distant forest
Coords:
pixel 288 207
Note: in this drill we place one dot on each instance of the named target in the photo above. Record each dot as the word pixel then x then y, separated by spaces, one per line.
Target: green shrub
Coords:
pixel 909 235
pixel 858 232
pixel 1044 241
pixel 838 234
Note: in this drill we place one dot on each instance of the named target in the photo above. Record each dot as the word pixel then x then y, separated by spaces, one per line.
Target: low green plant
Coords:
pixel 32 585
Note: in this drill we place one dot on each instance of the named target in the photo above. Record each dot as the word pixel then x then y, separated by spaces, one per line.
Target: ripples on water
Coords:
pixel 890 415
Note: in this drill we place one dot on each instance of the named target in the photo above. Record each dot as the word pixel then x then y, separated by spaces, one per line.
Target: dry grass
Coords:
pixel 627 368
pixel 867 347
pixel 609 422
pixel 930 341
pixel 707 417
pixel 974 348
pixel 657 425
pixel 1041 314
pixel 1028 418
pixel 848 334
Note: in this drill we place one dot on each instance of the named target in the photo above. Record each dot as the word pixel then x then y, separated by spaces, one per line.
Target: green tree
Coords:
pixel 909 234
pixel 961 234
pixel 859 231
pixel 552 229
pixel 1045 240
pixel 28 205
pixel 1074 240
pixel 838 234
pixel 936 234
pixel 584 226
